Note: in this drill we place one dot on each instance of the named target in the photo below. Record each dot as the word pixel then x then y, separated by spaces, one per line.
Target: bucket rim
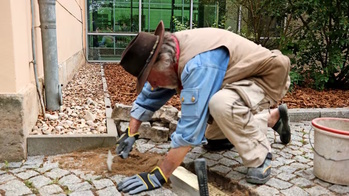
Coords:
pixel 315 123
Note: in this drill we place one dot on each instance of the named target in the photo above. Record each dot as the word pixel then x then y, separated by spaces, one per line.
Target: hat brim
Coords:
pixel 160 30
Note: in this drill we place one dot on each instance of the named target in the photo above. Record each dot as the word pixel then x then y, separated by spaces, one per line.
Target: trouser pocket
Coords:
pixel 251 94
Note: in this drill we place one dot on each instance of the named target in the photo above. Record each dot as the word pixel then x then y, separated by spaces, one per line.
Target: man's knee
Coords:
pixel 216 104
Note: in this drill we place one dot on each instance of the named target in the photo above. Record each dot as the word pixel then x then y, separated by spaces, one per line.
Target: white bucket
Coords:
pixel 331 149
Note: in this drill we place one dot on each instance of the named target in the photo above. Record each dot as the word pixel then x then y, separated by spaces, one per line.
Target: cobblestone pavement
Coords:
pixel 292 171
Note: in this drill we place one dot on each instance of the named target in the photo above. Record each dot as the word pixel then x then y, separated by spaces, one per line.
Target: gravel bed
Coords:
pixel 83 109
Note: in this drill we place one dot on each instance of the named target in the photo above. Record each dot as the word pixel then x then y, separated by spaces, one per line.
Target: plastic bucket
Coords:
pixel 331 149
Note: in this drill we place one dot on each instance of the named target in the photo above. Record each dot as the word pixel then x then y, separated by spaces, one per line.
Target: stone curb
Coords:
pixel 298 115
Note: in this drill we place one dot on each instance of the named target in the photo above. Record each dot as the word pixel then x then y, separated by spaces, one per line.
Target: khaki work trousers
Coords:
pixel 240 111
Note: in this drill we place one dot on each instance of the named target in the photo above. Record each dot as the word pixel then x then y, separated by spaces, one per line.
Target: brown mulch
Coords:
pixel 121 87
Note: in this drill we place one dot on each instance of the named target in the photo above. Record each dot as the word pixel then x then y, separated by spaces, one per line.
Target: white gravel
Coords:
pixel 83 109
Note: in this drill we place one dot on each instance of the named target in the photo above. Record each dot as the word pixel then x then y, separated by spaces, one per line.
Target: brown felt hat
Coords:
pixel 139 56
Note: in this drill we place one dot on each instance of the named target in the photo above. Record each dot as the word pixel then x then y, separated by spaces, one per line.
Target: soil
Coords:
pixel 95 161
pixel 122 89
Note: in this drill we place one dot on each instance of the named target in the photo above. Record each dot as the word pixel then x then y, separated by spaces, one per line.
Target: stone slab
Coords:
pixel 59 144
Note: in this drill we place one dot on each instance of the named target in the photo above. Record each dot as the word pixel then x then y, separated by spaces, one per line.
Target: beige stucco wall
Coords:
pixel 19 105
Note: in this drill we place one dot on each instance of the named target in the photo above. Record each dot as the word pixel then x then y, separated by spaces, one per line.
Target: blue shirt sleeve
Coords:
pixel 201 78
pixel 148 101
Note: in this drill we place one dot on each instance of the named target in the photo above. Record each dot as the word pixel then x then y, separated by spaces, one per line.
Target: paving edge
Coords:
pixel 59 144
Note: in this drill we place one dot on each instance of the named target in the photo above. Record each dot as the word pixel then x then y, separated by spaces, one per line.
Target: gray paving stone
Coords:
pixel 79 187
pixel 266 191
pixel 109 191
pixel 322 183
pixel 221 169
pixel 278 184
pixel 27 174
pixel 285 176
pixel 199 150
pixel 294 191
pixel 165 146
pixel 210 162
pixel 82 193
pixel 56 173
pixel 2 165
pixel 17 170
pixel 15 187
pixel 302 159
pixel 317 191
pixel 117 178
pixel 192 155
pixel 40 181
pixel 12 165
pixel 89 177
pixel 70 179
pixel 48 166
pixel 341 189
pixel 302 182
pixel 285 161
pixel 287 169
pixel 99 184
pixel 34 161
pixel 285 155
pixel 299 166
pixel 244 183
pixel 158 150
pixel 276 163
pixel 308 174
pixel 6 177
pixel 50 189
pixel 144 147
pixel 213 156
pixel 188 161
pixel 2 172
pixel 236 176
pixel 228 162
pixel 275 172
pixel 241 169
pixel 233 155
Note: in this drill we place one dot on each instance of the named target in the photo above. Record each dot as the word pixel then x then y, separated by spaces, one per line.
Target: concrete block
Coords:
pixel 186 183
pixel 121 112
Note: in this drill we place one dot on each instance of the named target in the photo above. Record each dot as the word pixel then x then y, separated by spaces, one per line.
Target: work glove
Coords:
pixel 143 182
pixel 125 143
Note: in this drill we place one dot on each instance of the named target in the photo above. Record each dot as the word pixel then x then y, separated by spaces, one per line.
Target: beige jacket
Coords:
pixel 269 69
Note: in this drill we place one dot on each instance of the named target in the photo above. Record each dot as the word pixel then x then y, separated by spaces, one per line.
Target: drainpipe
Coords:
pixel 34 61
pixel 49 47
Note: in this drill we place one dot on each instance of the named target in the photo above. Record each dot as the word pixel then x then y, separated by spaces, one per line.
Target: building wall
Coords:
pixel 19 103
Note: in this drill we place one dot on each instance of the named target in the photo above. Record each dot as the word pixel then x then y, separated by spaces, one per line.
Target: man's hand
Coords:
pixel 125 143
pixel 143 182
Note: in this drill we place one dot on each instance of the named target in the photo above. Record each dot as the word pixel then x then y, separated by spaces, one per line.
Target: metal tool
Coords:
pixel 109 160
pixel 201 172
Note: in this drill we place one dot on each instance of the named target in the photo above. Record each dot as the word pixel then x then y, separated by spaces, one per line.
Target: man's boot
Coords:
pixel 282 126
pixel 261 174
